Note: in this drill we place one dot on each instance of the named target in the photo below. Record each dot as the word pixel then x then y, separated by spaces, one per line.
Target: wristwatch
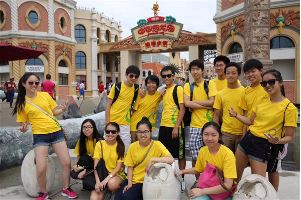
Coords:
pixel 110 175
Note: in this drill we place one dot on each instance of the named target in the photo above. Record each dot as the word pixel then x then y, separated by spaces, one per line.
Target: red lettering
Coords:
pixel 158 43
pixel 153 43
pixel 147 45
pixel 164 43
pixel 170 28
pixel 141 31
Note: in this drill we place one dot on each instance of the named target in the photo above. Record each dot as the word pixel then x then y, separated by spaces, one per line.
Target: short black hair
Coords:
pixel 167 68
pixel 233 64
pixel 153 78
pixel 251 64
pixel 222 58
pixel 132 69
pixel 48 76
pixel 197 63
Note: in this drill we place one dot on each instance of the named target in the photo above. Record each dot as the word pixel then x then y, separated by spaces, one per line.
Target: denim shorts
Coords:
pixel 48 139
pixel 255 148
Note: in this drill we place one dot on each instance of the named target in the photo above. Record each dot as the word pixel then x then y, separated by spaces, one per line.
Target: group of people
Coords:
pixel 229 127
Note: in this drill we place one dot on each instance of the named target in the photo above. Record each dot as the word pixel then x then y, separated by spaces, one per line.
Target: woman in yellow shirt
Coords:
pixel 112 151
pixel 271 122
pixel 39 110
pixel 84 149
pixel 139 159
pixel 218 155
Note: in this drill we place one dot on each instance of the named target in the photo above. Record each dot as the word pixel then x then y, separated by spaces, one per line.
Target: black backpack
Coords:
pixel 117 92
pixel 187 115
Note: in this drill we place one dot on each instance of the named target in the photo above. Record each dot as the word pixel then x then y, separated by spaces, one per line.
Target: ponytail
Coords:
pixel 120 147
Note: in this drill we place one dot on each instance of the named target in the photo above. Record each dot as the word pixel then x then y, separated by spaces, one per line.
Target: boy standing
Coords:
pixel 49 86
pixel 120 103
pixel 220 63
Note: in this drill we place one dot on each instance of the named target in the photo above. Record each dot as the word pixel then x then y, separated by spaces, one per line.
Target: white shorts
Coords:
pixel 125 135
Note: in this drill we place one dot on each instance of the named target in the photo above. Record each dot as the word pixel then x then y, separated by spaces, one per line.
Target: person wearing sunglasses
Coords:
pixel 113 151
pixel 84 149
pixel 140 157
pixel 119 107
pixel 146 106
pixel 277 114
pixel 39 110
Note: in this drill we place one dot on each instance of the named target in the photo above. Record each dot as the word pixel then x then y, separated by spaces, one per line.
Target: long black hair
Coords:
pixel 144 121
pixel 278 77
pixel 20 102
pixel 216 127
pixel 120 145
pixel 82 137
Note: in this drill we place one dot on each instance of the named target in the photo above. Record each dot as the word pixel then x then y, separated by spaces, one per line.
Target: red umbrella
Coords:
pixel 9 52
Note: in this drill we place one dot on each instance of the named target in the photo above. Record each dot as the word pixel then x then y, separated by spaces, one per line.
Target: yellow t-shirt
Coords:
pixel 224 160
pixel 253 97
pixel 170 111
pixel 200 116
pixel 109 154
pixel 269 118
pixel 90 144
pixel 221 84
pixel 135 155
pixel 120 109
pixel 146 107
pixel 40 122
pixel 226 99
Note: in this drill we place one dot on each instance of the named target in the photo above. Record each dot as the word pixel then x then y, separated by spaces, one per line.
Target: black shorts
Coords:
pixel 255 148
pixel 175 146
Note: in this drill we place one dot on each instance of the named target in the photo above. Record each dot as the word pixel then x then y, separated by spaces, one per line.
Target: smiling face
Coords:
pixel 132 78
pixel 271 85
pixel 210 136
pixel 196 73
pixel 143 133
pixel 151 86
pixel 88 129
pixel 253 76
pixel 32 83
pixel 168 77
pixel 232 74
pixel 111 133
pixel 219 68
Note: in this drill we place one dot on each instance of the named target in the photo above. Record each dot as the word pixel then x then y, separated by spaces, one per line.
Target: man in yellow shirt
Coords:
pixel 220 63
pixel 171 133
pixel 119 109
pixel 226 99
pixel 200 102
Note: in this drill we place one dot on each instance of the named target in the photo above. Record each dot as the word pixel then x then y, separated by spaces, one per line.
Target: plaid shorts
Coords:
pixel 195 142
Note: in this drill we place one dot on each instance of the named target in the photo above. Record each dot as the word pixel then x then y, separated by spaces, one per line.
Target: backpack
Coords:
pixel 117 92
pixel 187 115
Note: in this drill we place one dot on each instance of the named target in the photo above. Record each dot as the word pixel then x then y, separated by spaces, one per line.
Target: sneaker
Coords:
pixel 42 196
pixel 68 192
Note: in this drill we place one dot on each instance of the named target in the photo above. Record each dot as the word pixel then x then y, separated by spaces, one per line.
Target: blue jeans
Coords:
pixel 10 97
pixel 134 193
pixel 48 139
pixel 206 197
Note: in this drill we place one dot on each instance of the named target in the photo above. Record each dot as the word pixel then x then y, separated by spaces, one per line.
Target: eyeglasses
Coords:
pixel 143 132
pixel 166 76
pixel 33 82
pixel 271 82
pixel 111 131
pixel 133 76
pixel 87 127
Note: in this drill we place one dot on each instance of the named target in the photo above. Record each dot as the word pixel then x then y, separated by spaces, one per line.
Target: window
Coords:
pixel 63 79
pixel 2 63
pixel 1 17
pixel 80 78
pixel 98 35
pixel 33 17
pixel 116 38
pixel 34 61
pixel 235 48
pixel 80 60
pixel 80 33
pixel 98 64
pixel 62 64
pixel 108 36
pixel 281 42
pixel 62 22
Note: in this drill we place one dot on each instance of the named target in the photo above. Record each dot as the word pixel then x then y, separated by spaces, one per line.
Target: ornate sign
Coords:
pixel 156 33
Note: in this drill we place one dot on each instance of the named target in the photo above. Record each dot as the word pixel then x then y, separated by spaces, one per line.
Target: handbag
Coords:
pixel 86 162
pixel 89 181
pixel 47 114
pixel 211 177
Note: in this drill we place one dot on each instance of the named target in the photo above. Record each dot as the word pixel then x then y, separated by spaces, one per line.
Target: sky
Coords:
pixel 195 15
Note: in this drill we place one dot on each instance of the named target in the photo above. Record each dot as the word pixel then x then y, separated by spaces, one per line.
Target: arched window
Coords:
pixel 108 36
pixel 33 17
pixel 80 33
pixel 62 64
pixel 34 61
pixel 281 42
pixel 116 38
pixel 80 60
pixel 235 48
pixel 98 35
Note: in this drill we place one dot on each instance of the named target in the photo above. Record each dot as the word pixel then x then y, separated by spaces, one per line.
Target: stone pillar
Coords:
pixel 102 69
pixel 52 69
pixel 14 16
pixel 15 65
pixel 257 38
pixel 94 56
pixel 193 52
pixel 50 18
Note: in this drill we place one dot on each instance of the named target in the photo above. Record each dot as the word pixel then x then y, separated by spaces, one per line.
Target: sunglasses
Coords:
pixel 166 76
pixel 271 82
pixel 133 76
pixel 111 131
pixel 33 82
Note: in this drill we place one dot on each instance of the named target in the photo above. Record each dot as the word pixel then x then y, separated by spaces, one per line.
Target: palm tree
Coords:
pixel 175 67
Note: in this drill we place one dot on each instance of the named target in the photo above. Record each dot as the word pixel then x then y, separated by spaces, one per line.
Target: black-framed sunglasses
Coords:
pixel 166 76
pixel 111 131
pixel 271 82
pixel 134 76
pixel 33 82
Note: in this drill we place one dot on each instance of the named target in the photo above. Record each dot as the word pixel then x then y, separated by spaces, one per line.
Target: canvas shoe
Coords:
pixel 68 192
pixel 42 196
